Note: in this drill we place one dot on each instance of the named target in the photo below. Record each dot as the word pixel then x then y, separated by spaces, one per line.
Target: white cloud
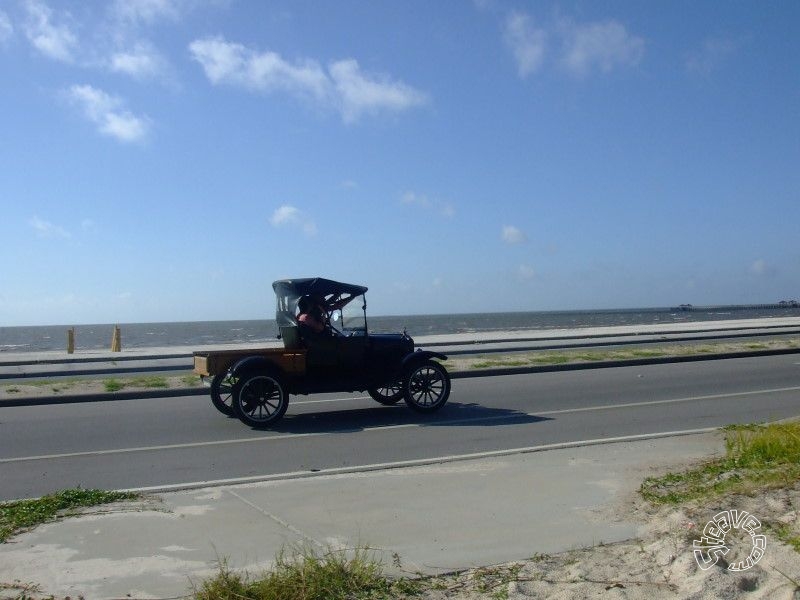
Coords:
pixel 359 93
pixel 6 29
pixel 234 64
pixel 108 113
pixel 525 273
pixel 710 56
pixel 414 199
pixel 284 214
pixel 512 235
pixel 604 45
pixel 527 43
pixel 343 86
pixel 446 209
pixel 759 267
pixel 291 216
pixel 54 40
pixel 146 11
pixel 46 229
pixel 581 47
pixel 140 62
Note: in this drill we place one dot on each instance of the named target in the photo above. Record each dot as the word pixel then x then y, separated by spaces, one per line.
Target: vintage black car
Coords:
pixel 327 348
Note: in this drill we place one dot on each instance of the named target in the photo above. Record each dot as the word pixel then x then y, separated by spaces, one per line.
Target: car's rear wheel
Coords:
pixel 222 393
pixel 260 399
pixel 388 395
pixel 427 387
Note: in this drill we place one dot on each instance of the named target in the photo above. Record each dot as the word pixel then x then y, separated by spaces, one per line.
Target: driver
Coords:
pixel 311 314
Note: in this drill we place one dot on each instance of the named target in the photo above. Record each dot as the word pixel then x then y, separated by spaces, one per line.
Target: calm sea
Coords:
pixel 199 333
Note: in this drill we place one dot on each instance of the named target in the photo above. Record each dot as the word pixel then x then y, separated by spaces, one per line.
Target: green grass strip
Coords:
pixel 21 515
pixel 756 456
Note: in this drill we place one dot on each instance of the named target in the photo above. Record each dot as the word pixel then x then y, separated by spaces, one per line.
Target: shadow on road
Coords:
pixel 453 415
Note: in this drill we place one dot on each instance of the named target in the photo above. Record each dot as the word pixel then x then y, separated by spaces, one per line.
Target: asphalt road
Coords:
pixel 168 441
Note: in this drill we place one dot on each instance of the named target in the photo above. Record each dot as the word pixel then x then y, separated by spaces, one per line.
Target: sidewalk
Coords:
pixel 437 518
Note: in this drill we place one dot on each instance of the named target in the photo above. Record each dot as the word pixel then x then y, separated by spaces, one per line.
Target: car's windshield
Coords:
pixel 353 316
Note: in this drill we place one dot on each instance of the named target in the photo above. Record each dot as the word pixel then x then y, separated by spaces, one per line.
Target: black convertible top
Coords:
pixel 315 286
pixel 330 294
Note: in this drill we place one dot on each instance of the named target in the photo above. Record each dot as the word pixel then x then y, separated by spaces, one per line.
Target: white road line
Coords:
pixel 297 436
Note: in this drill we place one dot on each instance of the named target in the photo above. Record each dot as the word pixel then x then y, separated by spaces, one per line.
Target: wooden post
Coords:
pixel 71 340
pixel 116 340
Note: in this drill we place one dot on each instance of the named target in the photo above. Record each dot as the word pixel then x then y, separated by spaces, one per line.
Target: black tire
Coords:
pixel 388 395
pixel 222 393
pixel 426 387
pixel 260 399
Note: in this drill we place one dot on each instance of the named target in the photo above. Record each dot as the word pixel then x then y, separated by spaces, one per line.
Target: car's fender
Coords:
pixel 421 356
pixel 250 364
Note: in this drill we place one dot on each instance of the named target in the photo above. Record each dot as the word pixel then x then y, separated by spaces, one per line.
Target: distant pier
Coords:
pixel 730 307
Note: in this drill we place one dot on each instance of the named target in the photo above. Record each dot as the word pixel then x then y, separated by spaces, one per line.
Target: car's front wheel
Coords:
pixel 260 399
pixel 388 395
pixel 427 387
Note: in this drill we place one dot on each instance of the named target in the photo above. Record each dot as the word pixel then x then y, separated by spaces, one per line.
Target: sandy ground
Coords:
pixel 659 564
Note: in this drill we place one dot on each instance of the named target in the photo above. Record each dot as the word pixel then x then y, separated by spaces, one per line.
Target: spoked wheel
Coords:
pixel 222 393
pixel 388 395
pixel 427 387
pixel 259 399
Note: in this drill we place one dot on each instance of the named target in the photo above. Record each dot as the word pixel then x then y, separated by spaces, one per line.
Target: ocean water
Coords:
pixel 199 333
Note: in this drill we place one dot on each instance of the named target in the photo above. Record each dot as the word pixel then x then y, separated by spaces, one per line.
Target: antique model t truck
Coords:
pixel 327 347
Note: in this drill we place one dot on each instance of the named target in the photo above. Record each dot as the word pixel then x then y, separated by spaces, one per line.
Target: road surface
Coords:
pixel 183 440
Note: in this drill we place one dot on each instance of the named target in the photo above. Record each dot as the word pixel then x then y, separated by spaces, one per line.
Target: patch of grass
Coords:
pixel 21 515
pixel 756 346
pixel 113 385
pixel 647 353
pixel 489 364
pixel 148 381
pixel 144 381
pixel 756 456
pixel 495 580
pixel 786 534
pixel 13 390
pixel 309 575
pixel 191 380
pixel 61 383
pixel 550 359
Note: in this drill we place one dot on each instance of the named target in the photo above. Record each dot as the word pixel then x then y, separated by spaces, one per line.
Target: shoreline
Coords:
pixel 144 336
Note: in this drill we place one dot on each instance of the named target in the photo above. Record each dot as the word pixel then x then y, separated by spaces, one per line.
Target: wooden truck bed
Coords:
pixel 214 362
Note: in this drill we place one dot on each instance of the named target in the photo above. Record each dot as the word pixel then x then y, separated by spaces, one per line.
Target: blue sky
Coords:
pixel 168 159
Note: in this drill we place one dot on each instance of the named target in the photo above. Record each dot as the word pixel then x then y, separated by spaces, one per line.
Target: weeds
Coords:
pixel 113 385
pixel 20 515
pixel 191 380
pixel 308 575
pixel 145 381
pixel 756 456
